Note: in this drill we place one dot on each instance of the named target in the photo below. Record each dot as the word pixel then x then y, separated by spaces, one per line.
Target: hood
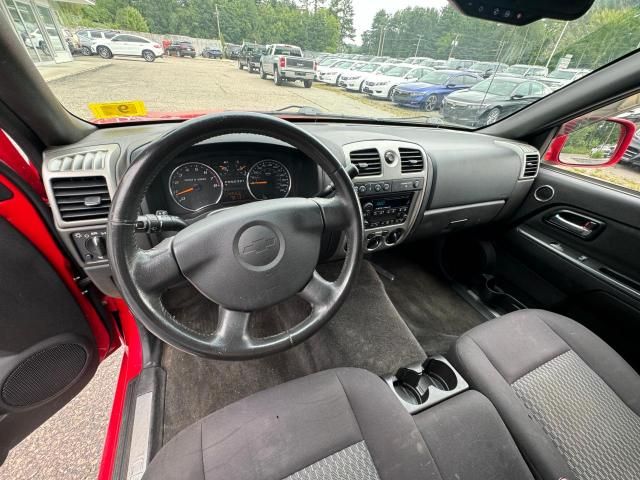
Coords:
pixel 470 96
pixel 419 87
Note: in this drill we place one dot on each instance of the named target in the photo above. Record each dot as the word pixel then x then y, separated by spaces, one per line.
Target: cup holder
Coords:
pixel 442 375
pixel 421 385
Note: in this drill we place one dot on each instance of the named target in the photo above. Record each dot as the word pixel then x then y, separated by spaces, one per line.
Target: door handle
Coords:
pixel 576 223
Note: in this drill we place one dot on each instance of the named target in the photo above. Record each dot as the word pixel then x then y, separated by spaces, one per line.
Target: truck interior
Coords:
pixel 396 301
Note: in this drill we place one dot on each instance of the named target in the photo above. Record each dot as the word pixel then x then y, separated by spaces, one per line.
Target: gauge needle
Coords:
pixel 186 190
pixel 263 182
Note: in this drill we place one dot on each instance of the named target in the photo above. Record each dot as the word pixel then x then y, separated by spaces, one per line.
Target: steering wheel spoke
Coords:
pixel 334 212
pixel 232 334
pixel 318 292
pixel 156 269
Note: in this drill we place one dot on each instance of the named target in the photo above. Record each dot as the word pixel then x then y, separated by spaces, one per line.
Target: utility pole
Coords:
pixel 380 40
pixel 555 47
pixel 218 22
pixel 418 46
pixel 454 44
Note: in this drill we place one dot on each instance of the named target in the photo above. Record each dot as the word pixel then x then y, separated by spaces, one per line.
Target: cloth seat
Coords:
pixel 570 401
pixel 337 424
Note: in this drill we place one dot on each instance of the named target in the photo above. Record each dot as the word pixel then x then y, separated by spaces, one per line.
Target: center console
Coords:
pixel 391 185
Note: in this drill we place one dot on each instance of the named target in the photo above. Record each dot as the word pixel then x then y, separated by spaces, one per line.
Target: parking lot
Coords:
pixel 183 84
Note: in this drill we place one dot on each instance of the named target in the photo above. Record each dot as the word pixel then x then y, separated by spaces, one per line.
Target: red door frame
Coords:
pixel 25 218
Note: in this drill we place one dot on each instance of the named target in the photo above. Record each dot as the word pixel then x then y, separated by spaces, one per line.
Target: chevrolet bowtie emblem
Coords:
pixel 258 246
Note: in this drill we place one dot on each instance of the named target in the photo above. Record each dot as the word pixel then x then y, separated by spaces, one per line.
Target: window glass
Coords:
pixel 537 89
pixel 523 90
pixel 592 139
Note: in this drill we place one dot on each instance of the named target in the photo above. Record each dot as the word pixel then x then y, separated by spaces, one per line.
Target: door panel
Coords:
pixel 48 349
pixel 597 272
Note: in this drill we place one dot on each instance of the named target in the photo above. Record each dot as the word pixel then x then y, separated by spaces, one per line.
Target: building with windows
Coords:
pixel 36 24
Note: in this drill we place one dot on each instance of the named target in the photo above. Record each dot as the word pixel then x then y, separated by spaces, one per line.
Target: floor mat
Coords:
pixel 367 332
pixel 434 312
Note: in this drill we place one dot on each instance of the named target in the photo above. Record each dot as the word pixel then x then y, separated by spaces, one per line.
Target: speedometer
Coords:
pixel 268 179
pixel 195 186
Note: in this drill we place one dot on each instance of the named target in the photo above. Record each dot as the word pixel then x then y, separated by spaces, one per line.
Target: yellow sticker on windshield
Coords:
pixel 134 108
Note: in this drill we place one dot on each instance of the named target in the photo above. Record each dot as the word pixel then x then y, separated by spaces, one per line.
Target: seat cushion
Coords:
pixel 571 403
pixel 342 423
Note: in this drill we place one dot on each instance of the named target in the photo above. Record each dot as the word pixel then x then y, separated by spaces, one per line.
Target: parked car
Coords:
pixel 332 74
pixel 88 38
pixel 486 69
pixel 182 48
pixel 211 52
pixel 355 80
pixel 249 57
pixel 383 85
pixel 490 100
pixel 562 76
pixel 232 51
pixel 631 156
pixel 456 64
pixel 525 71
pixel 286 63
pixel 129 46
pixel 429 91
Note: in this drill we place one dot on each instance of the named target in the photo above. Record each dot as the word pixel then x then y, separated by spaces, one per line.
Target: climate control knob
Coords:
pixel 394 236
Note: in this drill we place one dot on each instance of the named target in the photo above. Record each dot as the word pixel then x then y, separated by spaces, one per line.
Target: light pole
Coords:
pixel 555 47
pixel 454 44
pixel 418 46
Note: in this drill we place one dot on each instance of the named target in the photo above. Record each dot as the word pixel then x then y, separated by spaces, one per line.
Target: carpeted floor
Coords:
pixel 367 332
pixel 434 312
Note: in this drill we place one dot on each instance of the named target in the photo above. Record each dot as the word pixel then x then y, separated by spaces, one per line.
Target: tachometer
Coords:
pixel 195 186
pixel 268 179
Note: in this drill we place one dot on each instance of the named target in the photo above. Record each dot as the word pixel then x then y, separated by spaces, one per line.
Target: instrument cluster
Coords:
pixel 202 180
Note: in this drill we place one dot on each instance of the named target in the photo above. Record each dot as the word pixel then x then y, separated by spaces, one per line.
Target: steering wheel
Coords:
pixel 244 258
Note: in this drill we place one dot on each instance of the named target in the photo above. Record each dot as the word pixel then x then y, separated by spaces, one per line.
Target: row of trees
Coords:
pixel 318 25
pixel 609 30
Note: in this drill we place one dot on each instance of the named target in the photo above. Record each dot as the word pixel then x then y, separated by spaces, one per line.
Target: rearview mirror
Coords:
pixel 522 12
pixel 591 144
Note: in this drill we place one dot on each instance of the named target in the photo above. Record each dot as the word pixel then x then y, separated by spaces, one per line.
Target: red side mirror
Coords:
pixel 569 148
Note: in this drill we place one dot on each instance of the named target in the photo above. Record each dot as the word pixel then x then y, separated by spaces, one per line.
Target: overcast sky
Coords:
pixel 366 9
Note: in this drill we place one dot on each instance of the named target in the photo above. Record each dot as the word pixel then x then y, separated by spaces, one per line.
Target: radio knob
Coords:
pixel 367 208
pixel 362 189
pixel 377 187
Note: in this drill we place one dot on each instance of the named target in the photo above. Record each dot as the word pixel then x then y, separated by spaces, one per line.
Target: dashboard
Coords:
pixel 413 182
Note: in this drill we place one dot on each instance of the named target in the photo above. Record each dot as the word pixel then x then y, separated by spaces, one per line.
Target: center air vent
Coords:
pixel 531 164
pixel 81 198
pixel 411 160
pixel 367 161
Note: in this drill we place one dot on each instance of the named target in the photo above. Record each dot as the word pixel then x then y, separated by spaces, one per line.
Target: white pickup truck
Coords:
pixel 285 63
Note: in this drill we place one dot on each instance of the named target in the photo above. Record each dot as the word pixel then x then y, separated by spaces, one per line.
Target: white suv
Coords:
pixel 129 45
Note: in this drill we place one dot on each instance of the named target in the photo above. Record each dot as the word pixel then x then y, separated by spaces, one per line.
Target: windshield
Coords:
pixel 516 70
pixel 398 71
pixel 436 78
pixel 480 66
pixel 103 81
pixel 495 86
pixel 562 75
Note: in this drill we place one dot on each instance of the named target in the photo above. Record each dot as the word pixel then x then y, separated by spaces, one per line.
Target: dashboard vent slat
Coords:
pixel 531 165
pixel 81 198
pixel 367 161
pixel 92 160
pixel 411 160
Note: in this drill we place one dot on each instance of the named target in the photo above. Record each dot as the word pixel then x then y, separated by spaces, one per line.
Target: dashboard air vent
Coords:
pixel 94 160
pixel 368 162
pixel 81 198
pixel 411 160
pixel 531 164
